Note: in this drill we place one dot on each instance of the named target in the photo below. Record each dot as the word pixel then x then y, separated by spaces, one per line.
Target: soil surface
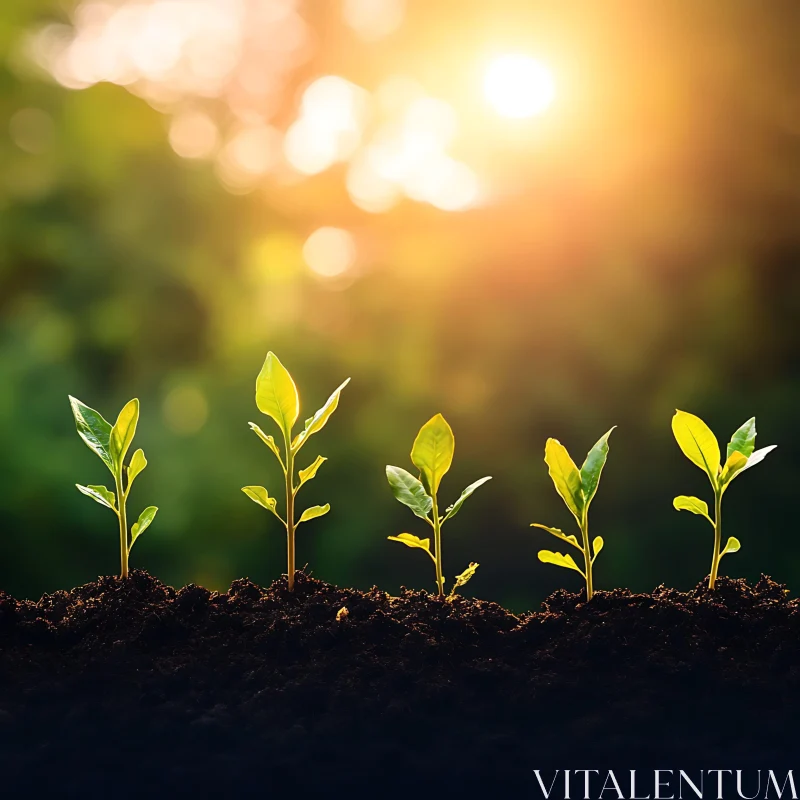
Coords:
pixel 131 688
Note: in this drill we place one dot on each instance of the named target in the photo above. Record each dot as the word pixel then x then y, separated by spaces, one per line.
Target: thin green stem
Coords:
pixel 437 544
pixel 587 556
pixel 290 513
pixel 717 538
pixel 123 524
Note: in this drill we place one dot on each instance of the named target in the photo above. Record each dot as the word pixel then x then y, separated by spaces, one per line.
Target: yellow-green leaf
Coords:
pixel 694 504
pixel 733 466
pixel 565 475
pixel 309 472
pixel 276 394
pixel 145 518
pixel 698 443
pixel 317 422
pixel 464 578
pixel 124 430
pixel 409 540
pixel 138 463
pixel 269 441
pixel 743 439
pixel 559 559
pixel 454 509
pixel 258 494
pixel 593 467
pixel 93 429
pixel 597 546
pixel 731 546
pixel 99 494
pixel 409 491
pixel 314 512
pixel 432 453
pixel 558 533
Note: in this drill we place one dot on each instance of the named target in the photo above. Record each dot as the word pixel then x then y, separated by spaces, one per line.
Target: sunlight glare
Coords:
pixel 518 86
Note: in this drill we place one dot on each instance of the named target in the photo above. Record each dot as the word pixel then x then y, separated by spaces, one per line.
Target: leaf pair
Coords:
pixel 432 454
pixel 111 444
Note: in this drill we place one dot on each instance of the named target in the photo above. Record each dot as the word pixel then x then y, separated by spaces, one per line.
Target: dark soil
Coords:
pixel 122 688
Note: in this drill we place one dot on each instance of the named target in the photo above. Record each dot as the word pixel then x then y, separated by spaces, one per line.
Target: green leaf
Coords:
pixel 94 430
pixel 258 494
pixel 464 578
pixel 744 439
pixel 409 540
pixel 138 463
pixel 694 504
pixel 269 441
pixel 558 533
pixel 597 546
pixel 145 518
pixel 409 491
pixel 733 466
pixel 698 443
pixel 733 545
pixel 454 509
pixel 565 476
pixel 318 421
pixel 124 430
pixel 309 472
pixel 432 453
pixel 276 394
pixel 314 512
pixel 593 467
pixel 100 495
pixel 559 559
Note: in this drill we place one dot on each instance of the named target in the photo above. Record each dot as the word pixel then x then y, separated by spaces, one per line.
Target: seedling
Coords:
pixel 700 446
pixel 577 488
pixel 111 444
pixel 277 397
pixel 432 455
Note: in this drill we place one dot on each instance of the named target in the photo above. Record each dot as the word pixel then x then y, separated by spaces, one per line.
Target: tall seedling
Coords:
pixel 432 455
pixel 277 397
pixel 700 446
pixel 577 488
pixel 111 445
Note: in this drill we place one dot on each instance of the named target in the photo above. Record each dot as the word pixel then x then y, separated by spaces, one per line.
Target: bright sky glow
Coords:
pixel 518 86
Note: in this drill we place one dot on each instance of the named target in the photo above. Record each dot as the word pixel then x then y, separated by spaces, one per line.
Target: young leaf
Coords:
pixel 314 512
pixel 698 443
pixel 593 466
pixel 558 533
pixel 138 463
pixel 409 491
pixel 124 430
pixel 317 422
pixel 758 457
pixel 559 559
pixel 309 472
pixel 93 429
pixel 276 394
pixel 99 494
pixel 138 528
pixel 695 505
pixel 454 509
pixel 269 441
pixel 597 546
pixel 409 540
pixel 731 546
pixel 733 466
pixel 432 453
pixel 565 476
pixel 464 578
pixel 258 494
pixel 743 440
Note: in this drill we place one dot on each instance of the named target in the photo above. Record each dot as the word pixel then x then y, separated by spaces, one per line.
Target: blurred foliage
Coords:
pixel 643 257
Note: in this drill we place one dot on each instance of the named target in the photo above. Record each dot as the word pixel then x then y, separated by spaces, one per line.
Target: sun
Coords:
pixel 518 86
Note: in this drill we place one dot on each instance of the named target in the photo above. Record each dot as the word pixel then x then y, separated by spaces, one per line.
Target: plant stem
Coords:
pixel 717 538
pixel 290 514
pixel 587 557
pixel 123 525
pixel 437 543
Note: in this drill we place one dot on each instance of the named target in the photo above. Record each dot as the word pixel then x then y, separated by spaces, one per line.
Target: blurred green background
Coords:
pixel 166 168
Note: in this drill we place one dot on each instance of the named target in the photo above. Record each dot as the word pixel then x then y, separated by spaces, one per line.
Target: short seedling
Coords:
pixel 432 455
pixel 111 444
pixel 700 446
pixel 277 397
pixel 577 488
